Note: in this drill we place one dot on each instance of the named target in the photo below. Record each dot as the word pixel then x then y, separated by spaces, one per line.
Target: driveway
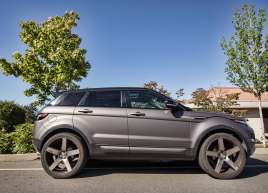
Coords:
pixel 133 177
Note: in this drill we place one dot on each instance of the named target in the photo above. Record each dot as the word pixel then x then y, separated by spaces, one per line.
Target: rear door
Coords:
pixel 152 127
pixel 101 115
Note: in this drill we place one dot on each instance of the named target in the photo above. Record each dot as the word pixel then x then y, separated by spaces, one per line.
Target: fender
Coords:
pixel 214 125
pixel 65 128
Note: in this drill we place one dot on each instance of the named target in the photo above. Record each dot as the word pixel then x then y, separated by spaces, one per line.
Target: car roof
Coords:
pixel 112 89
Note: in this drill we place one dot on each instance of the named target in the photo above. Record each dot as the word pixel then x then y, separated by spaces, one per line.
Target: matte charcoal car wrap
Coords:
pixel 119 123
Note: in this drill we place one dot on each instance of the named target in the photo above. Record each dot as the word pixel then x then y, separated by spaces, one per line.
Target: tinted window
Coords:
pixel 70 99
pixel 146 100
pixel 103 99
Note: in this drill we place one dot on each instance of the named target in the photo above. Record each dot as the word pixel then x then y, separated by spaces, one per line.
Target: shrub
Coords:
pixel 22 139
pixel 5 142
pixel 11 114
pixel 30 113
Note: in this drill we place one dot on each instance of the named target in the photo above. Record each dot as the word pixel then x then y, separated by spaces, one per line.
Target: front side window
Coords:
pixel 146 99
pixel 103 99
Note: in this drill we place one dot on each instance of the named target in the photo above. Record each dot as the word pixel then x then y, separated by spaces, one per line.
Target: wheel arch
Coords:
pixel 213 130
pixel 75 131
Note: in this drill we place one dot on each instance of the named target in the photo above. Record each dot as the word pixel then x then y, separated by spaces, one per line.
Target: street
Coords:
pixel 119 177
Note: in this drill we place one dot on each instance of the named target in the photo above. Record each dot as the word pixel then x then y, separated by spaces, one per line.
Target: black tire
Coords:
pixel 64 164
pixel 225 161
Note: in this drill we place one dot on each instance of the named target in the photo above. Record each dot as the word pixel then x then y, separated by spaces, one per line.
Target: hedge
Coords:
pixel 18 141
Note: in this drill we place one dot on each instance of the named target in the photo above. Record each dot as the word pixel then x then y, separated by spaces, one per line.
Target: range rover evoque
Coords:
pixel 137 123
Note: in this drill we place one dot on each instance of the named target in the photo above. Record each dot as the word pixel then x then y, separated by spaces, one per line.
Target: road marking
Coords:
pixel 126 168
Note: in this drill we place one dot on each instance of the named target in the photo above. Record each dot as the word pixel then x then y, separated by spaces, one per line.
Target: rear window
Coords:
pixel 103 99
pixel 68 99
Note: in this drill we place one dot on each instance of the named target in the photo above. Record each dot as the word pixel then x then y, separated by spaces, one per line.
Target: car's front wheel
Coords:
pixel 222 156
pixel 63 155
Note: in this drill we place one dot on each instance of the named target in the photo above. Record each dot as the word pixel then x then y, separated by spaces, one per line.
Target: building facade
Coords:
pixel 248 104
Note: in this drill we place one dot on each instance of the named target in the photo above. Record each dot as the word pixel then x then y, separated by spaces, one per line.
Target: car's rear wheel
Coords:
pixel 222 156
pixel 63 155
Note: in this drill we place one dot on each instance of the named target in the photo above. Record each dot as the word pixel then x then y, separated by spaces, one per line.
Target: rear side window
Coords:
pixel 103 99
pixel 68 99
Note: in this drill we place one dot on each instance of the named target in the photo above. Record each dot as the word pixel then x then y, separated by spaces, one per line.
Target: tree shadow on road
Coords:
pixel 254 167
pixel 99 168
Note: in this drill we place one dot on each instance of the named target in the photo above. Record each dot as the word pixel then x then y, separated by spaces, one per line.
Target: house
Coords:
pixel 248 104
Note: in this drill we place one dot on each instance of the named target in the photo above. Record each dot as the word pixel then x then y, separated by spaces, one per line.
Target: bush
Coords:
pixel 30 113
pixel 11 114
pixel 5 142
pixel 22 139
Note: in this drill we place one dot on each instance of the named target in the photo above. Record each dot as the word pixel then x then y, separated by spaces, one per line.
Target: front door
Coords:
pixel 152 127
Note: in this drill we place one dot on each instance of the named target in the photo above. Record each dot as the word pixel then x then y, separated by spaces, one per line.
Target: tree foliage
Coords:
pixel 247 51
pixel 214 100
pixel 18 141
pixel 22 139
pixel 155 86
pixel 53 60
pixel 247 54
pixel 200 98
pixel 179 94
pixel 30 113
pixel 11 114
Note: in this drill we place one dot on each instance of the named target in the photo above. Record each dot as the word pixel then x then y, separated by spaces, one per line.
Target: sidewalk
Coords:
pixel 34 156
pixel 18 157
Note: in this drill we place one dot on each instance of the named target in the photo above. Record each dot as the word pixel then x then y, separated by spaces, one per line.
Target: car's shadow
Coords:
pixel 99 168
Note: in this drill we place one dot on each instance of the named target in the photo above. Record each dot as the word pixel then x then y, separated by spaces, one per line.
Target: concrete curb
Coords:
pixel 259 145
pixel 18 157
pixel 35 156
pixel 261 151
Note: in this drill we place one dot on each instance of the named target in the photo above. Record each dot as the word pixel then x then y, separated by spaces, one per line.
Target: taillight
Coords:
pixel 41 116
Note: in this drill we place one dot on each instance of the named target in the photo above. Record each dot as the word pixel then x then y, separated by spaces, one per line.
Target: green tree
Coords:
pixel 11 114
pixel 213 100
pixel 200 98
pixel 247 53
pixel 179 94
pixel 30 113
pixel 53 60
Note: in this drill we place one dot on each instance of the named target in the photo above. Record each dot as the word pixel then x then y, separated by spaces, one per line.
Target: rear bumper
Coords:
pixel 36 144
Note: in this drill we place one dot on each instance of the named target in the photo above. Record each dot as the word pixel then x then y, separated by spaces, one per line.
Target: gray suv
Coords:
pixel 137 123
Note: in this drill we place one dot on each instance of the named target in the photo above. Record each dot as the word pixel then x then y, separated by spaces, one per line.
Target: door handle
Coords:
pixel 138 114
pixel 85 111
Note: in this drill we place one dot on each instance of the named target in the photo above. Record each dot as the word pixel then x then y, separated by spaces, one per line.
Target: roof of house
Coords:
pixel 243 96
pixel 246 100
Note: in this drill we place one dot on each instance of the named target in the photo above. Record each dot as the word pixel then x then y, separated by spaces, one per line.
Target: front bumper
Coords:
pixel 250 147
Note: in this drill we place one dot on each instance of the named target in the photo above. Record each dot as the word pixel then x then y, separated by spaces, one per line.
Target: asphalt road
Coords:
pixel 133 177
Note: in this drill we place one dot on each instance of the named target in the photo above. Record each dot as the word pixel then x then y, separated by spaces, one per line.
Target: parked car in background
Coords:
pixel 137 123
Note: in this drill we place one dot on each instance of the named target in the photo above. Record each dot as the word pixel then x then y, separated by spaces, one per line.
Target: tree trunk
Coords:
pixel 261 119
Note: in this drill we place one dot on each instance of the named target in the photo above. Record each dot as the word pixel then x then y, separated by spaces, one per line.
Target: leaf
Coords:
pixel 52 61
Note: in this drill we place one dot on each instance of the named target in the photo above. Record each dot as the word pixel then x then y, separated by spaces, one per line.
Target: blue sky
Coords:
pixel 129 42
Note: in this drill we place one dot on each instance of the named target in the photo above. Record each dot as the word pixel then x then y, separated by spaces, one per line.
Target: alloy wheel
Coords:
pixel 62 155
pixel 223 154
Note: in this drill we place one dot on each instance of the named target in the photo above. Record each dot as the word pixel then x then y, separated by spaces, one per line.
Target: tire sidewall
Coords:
pixel 205 165
pixel 80 163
